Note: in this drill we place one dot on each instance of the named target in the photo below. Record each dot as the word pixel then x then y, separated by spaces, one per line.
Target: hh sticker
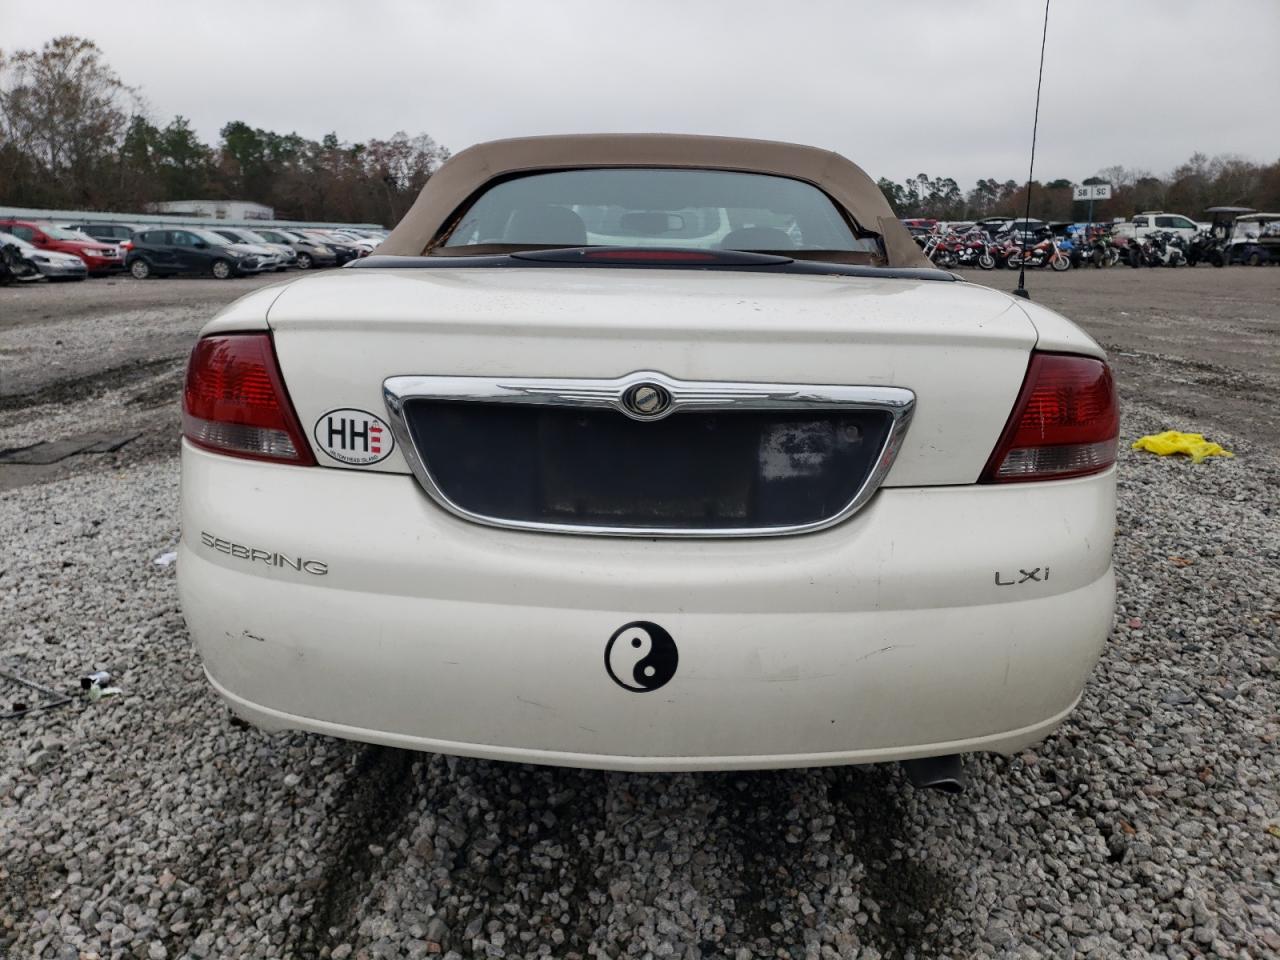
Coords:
pixel 354 436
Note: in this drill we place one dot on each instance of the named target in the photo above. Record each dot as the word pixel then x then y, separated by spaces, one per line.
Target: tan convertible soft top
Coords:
pixel 463 175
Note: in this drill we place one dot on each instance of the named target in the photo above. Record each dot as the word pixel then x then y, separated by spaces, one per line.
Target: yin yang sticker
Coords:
pixel 641 656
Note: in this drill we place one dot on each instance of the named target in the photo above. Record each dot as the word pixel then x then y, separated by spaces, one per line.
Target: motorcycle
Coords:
pixel 1163 249
pixel 1205 246
pixel 1077 250
pixel 984 257
pixel 974 250
pixel 1098 249
pixel 1175 253
pixel 1120 249
pixel 1046 252
pixel 940 249
pixel 1114 250
pixel 1005 248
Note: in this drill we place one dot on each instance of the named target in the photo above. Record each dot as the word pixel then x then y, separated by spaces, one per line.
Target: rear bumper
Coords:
pixel 884 638
pixel 272 720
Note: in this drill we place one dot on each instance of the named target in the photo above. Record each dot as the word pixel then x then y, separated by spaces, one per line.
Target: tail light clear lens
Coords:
pixel 1066 422
pixel 235 401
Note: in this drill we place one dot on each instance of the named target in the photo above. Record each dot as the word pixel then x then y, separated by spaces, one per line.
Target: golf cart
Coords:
pixel 1211 245
pixel 1255 239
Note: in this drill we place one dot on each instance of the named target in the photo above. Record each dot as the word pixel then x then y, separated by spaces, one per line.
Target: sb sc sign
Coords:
pixel 1092 191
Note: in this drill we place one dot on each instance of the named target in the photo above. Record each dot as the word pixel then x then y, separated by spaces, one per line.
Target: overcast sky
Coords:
pixel 943 88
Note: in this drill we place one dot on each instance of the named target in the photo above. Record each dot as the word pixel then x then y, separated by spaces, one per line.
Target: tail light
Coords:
pixel 235 401
pixel 1066 422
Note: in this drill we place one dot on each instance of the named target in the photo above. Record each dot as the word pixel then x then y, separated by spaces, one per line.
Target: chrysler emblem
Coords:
pixel 645 401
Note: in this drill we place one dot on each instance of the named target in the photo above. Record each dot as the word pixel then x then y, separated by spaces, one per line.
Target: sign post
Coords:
pixel 1092 192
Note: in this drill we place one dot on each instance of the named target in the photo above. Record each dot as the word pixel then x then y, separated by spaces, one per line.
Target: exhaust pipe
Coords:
pixel 937 773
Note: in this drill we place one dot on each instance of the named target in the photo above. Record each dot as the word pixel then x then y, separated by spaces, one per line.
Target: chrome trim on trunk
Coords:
pixel 618 394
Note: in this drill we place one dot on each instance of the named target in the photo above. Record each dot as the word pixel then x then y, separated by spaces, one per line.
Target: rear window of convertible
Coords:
pixel 708 209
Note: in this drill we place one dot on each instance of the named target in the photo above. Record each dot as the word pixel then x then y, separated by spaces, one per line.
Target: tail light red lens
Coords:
pixel 235 401
pixel 1066 422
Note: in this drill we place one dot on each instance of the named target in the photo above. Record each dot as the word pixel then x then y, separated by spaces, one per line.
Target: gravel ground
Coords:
pixel 149 826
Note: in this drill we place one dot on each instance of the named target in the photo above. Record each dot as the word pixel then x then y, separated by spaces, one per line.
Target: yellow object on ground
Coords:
pixel 1193 445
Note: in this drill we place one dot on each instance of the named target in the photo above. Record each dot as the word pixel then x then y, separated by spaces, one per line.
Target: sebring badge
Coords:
pixel 646 401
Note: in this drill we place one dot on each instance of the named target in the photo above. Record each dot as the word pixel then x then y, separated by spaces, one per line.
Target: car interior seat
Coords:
pixel 757 238
pixel 546 223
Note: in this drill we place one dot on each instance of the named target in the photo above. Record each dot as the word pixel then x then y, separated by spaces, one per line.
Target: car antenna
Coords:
pixel 1021 290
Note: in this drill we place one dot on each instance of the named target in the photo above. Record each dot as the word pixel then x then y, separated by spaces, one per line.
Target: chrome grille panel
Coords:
pixel 673 397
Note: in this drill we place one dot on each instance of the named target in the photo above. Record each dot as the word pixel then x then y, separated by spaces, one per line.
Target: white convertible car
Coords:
pixel 650 453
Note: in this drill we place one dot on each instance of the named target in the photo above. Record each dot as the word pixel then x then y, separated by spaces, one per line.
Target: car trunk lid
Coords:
pixel 961 349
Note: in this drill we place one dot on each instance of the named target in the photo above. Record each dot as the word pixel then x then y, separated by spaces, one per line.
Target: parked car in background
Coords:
pixel 918 225
pixel 1152 222
pixel 120 234
pixel 270 260
pixel 361 245
pixel 367 244
pixel 994 225
pixel 343 250
pixel 99 258
pixel 52 264
pixel 310 251
pixel 574 475
pixel 1022 230
pixel 163 253
pixel 286 255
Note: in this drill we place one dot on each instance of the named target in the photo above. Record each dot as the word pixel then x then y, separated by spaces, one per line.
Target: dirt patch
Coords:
pixel 87 387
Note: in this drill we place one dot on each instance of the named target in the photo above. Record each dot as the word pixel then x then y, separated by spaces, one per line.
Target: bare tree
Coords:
pixel 66 110
pixel 402 165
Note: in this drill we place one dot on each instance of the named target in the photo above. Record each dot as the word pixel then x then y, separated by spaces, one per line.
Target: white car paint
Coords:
pixel 904 631
pixel 961 347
